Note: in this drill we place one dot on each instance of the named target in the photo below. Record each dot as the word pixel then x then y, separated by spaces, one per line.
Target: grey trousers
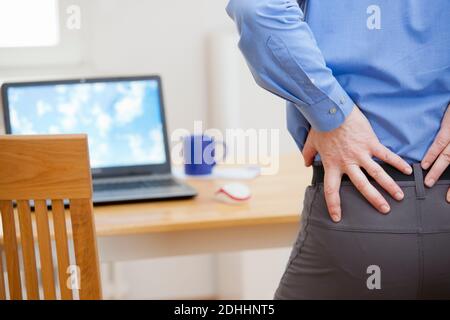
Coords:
pixel 402 255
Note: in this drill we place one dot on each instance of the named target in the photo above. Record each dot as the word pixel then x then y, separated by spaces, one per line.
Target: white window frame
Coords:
pixel 68 51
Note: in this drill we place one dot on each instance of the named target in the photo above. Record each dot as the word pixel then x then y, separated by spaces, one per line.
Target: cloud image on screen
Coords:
pixel 122 119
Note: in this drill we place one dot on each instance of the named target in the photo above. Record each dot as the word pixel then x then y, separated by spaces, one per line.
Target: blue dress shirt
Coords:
pixel 391 58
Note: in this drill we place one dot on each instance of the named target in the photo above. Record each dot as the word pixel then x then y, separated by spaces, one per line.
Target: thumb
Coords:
pixel 309 152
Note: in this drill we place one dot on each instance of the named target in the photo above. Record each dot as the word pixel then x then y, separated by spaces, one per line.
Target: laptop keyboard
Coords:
pixel 135 185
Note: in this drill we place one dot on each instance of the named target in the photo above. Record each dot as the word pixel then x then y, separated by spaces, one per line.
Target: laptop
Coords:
pixel 125 123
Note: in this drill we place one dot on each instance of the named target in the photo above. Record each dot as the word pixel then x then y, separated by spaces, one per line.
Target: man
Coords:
pixel 367 85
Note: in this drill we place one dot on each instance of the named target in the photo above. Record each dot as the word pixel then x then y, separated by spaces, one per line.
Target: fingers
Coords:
pixel 438 146
pixel 383 179
pixel 438 167
pixel 386 155
pixel 448 195
pixel 366 189
pixel 332 184
pixel 440 142
pixel 309 153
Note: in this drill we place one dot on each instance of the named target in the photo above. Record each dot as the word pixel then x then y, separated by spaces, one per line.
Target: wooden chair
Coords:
pixel 40 169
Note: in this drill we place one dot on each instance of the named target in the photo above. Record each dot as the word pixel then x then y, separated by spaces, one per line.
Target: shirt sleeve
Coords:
pixel 284 59
pixel 297 125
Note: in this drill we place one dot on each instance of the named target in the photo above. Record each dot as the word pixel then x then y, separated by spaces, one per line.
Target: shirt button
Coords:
pixel 342 100
pixel 332 110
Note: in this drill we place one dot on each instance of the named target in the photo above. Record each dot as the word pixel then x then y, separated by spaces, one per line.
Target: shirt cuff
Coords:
pixel 330 112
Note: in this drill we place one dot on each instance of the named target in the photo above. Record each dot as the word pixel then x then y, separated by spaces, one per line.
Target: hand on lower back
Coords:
pixel 346 150
pixel 438 154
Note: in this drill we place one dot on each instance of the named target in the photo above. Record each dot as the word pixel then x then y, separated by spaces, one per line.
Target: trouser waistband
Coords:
pixel 418 174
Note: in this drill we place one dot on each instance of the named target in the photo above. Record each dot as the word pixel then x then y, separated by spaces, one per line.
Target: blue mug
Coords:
pixel 199 152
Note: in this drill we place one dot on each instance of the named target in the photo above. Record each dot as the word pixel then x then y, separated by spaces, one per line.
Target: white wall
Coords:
pixel 170 38
pixel 168 278
pixel 145 37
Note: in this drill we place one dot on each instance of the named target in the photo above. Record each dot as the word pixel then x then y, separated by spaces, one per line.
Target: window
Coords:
pixel 33 33
pixel 28 23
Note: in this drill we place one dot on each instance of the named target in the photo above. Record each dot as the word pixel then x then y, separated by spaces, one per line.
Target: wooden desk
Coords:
pixel 203 225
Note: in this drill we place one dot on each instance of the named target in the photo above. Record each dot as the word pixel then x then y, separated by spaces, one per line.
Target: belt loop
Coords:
pixel 418 178
pixel 314 176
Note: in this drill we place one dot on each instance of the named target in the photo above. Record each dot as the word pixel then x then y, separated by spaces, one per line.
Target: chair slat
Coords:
pixel 38 167
pixel 28 251
pixel 2 279
pixel 11 253
pixel 62 248
pixel 45 249
pixel 85 244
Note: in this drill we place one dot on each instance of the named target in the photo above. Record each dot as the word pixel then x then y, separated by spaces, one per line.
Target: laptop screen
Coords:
pixel 122 118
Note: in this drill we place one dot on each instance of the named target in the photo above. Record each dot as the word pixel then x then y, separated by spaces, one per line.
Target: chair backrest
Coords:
pixel 43 170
